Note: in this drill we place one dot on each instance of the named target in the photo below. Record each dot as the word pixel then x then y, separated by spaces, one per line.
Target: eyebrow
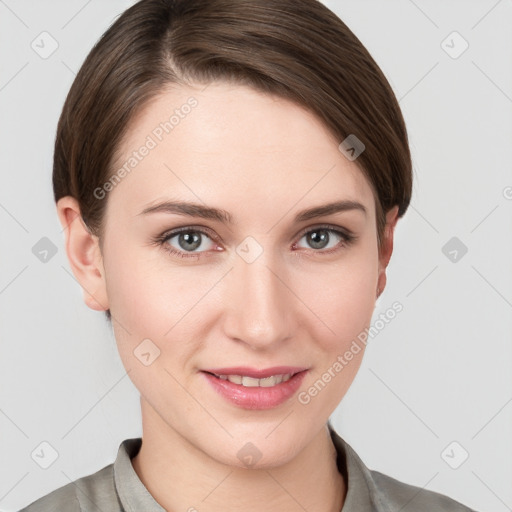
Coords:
pixel 218 214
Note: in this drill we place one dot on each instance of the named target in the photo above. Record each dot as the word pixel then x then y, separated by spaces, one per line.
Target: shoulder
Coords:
pixel 394 495
pixel 370 489
pixel 64 498
pixel 89 493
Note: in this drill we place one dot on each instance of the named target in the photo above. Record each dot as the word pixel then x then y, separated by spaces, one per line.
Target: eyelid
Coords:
pixel 200 229
pixel 346 232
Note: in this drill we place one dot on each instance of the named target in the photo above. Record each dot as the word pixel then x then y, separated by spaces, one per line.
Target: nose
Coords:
pixel 259 306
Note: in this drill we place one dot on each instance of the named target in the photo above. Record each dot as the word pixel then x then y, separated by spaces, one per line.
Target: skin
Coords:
pixel 263 159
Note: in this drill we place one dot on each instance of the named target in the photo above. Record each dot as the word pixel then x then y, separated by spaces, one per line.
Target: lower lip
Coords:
pixel 256 397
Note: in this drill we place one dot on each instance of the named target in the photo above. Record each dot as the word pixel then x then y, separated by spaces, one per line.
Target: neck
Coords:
pixel 196 482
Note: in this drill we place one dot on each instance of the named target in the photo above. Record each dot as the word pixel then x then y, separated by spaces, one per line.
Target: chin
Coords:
pixel 256 449
pixel 251 457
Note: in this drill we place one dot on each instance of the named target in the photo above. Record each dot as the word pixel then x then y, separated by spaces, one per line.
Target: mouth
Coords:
pixel 256 389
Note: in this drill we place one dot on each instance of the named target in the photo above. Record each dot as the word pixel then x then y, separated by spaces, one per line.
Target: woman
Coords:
pixel 229 174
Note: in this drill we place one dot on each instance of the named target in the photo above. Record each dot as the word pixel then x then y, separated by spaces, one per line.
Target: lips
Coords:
pixel 250 388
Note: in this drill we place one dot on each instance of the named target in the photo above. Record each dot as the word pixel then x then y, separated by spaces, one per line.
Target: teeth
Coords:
pixel 251 382
pixel 271 381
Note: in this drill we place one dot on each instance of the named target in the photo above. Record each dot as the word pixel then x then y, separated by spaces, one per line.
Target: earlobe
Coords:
pixel 387 247
pixel 84 255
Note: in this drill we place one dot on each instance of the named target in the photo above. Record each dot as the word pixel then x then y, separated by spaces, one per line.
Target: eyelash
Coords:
pixel 161 240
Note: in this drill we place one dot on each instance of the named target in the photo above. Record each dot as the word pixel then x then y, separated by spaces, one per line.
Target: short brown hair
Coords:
pixel 296 49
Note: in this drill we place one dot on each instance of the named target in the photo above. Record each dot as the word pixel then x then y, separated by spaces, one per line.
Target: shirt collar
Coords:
pixel 357 477
pixel 135 497
pixel 131 491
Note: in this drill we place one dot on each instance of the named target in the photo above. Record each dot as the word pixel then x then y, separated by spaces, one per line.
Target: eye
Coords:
pixel 186 242
pixel 327 239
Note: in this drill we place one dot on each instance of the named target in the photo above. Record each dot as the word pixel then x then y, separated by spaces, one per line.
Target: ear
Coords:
pixel 83 251
pixel 386 247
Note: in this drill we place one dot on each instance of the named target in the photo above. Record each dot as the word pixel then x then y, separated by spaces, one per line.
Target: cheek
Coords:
pixel 153 299
pixel 143 304
pixel 353 302
pixel 342 295
pixel 146 294
pixel 343 301
pixel 149 307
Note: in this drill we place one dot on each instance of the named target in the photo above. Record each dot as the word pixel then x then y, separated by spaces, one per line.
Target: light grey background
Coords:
pixel 440 372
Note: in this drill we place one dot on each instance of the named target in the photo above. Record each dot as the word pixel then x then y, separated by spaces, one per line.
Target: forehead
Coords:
pixel 231 145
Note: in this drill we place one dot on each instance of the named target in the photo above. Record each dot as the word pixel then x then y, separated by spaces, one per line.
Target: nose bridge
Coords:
pixel 259 314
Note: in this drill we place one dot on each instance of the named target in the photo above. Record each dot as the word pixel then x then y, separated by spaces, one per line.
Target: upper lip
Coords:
pixel 255 373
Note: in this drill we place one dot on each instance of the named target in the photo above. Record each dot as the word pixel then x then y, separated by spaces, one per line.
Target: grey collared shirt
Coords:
pixel 117 488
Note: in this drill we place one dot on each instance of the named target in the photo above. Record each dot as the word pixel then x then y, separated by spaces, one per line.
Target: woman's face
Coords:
pixel 268 289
